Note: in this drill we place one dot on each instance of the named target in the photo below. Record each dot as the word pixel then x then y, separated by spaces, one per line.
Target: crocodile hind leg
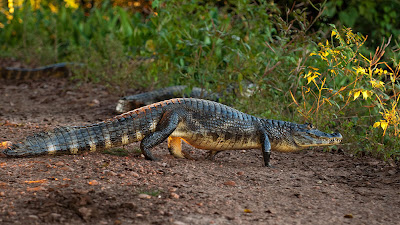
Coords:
pixel 165 127
pixel 175 148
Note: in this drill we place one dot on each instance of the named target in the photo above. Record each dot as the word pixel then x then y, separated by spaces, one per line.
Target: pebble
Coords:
pixel 33 217
pixel 59 163
pixel 109 173
pixel 134 174
pixel 172 189
pixel 174 195
pixel 55 216
pixel 144 196
pixel 85 212
pixel 2 194
pixel 230 183
pixel 93 182
pixel 67 168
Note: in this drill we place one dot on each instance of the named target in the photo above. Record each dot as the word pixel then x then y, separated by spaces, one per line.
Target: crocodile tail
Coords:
pixel 74 140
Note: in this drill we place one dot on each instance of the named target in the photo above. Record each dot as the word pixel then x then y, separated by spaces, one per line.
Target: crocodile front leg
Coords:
pixel 164 129
pixel 266 148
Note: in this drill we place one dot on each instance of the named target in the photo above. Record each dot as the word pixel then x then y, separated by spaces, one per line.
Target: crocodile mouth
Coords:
pixel 309 139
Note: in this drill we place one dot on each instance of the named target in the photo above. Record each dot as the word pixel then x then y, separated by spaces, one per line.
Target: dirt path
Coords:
pixel 309 187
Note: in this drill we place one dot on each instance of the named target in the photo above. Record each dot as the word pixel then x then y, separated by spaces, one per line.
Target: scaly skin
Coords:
pixel 53 70
pixel 132 102
pixel 201 123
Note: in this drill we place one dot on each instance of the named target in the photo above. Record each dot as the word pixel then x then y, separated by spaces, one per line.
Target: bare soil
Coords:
pixel 308 187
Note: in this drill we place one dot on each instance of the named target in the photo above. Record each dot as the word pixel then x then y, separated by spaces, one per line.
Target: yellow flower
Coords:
pixel 53 8
pixel 309 79
pixel 356 94
pixel 366 94
pixel 376 83
pixel 360 70
pixel 383 123
pixel 71 4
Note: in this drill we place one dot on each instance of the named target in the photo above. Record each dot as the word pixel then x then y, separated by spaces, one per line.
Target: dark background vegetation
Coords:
pixel 227 45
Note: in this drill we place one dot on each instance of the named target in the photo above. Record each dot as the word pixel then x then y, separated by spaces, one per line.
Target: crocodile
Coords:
pixel 201 123
pixel 128 103
pixel 53 70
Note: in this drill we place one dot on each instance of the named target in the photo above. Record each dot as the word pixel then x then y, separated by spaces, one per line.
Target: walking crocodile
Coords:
pixel 131 102
pixel 128 103
pixel 201 123
pixel 53 70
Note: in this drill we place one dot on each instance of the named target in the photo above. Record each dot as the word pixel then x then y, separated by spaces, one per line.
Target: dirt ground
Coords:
pixel 309 187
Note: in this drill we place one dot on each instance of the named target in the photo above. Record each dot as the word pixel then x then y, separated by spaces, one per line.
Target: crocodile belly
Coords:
pixel 216 140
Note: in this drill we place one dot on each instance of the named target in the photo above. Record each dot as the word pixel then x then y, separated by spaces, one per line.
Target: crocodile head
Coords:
pixel 306 135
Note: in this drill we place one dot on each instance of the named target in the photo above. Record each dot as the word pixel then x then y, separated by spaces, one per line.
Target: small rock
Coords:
pixel 240 173
pixel 139 215
pixel 93 182
pixel 59 163
pixel 134 174
pixel 85 212
pixel 33 217
pixel 230 183
pixel 109 173
pixel 179 223
pixel 67 168
pixel 174 195
pixel 172 189
pixel 2 194
pixel 55 216
pixel 144 196
pixel 319 182
pixel 94 102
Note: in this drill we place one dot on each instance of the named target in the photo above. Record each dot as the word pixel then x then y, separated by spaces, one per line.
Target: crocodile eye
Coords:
pixel 309 126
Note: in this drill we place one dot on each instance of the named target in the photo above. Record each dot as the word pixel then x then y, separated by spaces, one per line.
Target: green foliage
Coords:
pixel 377 19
